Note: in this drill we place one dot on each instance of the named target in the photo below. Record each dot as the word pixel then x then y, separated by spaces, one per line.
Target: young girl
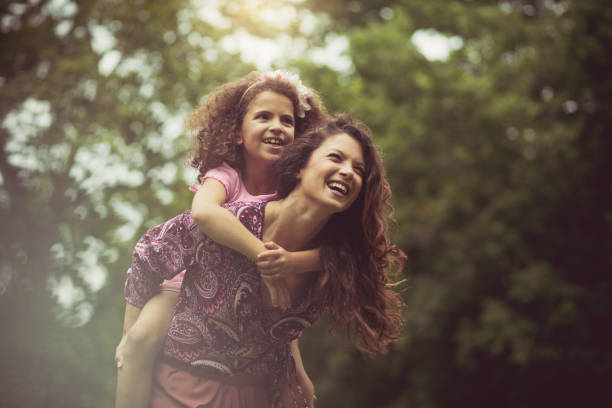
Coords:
pixel 240 131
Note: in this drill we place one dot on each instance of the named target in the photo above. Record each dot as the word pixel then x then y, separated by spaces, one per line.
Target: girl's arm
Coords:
pixel 220 224
pixel 277 262
pixel 224 228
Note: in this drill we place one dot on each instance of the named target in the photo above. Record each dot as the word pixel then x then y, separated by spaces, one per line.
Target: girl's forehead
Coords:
pixel 268 97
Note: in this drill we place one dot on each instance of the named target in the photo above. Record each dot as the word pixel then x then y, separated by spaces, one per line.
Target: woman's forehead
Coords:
pixel 344 143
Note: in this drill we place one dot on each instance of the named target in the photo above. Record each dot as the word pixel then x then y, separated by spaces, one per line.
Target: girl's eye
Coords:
pixel 288 120
pixel 262 115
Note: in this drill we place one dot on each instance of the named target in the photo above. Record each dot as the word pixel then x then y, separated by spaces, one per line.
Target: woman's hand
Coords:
pixel 120 352
pixel 307 388
pixel 275 262
pixel 303 380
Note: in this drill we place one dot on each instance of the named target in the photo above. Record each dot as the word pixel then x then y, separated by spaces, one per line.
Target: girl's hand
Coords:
pixel 275 263
pixel 279 293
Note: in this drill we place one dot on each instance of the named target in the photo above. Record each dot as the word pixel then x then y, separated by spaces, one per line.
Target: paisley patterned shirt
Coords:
pixel 220 322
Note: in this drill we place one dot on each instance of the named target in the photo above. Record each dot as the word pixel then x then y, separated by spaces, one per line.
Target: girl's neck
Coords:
pixel 293 222
pixel 257 180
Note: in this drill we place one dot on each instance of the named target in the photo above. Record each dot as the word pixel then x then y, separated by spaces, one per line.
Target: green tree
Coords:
pixel 497 157
pixel 93 94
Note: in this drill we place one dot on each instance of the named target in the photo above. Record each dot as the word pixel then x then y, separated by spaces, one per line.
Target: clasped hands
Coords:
pixel 274 265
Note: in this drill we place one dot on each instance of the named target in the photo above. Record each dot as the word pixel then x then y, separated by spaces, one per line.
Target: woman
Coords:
pixel 227 347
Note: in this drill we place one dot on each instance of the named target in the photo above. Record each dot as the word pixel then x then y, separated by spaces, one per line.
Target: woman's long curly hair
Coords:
pixel 356 255
pixel 216 123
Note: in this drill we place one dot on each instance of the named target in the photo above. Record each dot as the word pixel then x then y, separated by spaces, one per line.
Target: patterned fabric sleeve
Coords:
pixel 161 253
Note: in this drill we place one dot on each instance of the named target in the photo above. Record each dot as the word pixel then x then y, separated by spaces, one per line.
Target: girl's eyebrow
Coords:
pixel 264 110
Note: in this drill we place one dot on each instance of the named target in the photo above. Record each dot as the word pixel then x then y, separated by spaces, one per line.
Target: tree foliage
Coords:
pixel 93 97
pixel 498 161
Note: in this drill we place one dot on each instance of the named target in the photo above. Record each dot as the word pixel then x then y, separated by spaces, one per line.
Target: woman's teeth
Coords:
pixel 338 187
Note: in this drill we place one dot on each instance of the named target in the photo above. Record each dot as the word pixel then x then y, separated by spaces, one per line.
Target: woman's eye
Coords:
pixel 334 156
pixel 262 115
pixel 360 171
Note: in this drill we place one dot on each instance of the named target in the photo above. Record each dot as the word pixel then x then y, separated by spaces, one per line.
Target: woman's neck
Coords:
pixel 293 222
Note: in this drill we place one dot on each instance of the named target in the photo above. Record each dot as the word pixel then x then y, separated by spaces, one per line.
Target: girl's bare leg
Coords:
pixel 139 348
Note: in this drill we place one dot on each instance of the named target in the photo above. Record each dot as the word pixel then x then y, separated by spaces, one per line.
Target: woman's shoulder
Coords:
pixel 255 208
pixel 249 213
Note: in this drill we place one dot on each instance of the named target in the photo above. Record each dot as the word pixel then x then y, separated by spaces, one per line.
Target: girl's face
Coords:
pixel 268 126
pixel 333 176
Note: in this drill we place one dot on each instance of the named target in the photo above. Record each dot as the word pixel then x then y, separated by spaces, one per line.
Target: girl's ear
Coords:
pixel 239 141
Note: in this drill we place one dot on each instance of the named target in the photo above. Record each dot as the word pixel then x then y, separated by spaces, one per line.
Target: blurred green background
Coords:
pixel 496 126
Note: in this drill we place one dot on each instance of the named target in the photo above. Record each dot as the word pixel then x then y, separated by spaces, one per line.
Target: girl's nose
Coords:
pixel 275 126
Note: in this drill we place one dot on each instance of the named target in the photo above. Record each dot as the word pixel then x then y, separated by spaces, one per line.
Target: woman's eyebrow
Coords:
pixel 341 153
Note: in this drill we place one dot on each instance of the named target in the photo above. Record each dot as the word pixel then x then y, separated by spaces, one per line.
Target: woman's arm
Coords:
pixel 160 254
pixel 303 380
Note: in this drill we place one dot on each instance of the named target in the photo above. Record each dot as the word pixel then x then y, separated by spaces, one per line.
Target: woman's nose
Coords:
pixel 346 171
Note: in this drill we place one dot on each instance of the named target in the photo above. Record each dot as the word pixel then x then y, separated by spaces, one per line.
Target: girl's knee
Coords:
pixel 143 340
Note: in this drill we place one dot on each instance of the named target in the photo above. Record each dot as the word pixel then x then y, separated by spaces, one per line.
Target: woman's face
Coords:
pixel 333 176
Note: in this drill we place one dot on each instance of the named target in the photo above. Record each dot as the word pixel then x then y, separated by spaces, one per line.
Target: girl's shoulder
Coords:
pixel 226 175
pixel 224 170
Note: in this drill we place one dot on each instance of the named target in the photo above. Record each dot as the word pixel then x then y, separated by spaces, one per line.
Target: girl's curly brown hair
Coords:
pixel 216 123
pixel 355 253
